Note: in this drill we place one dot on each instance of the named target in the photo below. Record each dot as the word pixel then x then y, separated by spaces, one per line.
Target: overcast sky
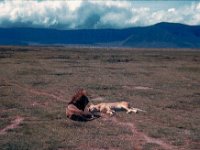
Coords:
pixel 96 13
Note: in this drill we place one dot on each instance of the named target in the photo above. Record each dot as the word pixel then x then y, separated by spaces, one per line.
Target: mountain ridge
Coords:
pixel 161 35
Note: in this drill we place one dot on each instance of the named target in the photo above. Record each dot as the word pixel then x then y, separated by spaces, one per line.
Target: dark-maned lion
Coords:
pixel 76 109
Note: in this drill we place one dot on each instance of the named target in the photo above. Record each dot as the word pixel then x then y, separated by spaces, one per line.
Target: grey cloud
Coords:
pixel 91 14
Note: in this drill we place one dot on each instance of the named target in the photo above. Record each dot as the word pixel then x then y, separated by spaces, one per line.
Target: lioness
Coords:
pixel 110 108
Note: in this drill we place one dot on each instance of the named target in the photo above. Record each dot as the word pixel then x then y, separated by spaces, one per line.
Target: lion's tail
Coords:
pixel 137 109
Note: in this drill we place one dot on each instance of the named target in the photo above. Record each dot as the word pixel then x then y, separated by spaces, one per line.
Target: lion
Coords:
pixel 77 108
pixel 110 108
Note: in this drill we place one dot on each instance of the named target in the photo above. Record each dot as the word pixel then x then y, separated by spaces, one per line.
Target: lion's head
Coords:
pixel 80 99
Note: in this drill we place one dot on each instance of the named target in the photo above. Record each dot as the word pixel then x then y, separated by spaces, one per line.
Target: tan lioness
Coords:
pixel 110 108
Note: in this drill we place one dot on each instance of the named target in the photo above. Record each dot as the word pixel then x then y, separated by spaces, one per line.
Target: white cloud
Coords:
pixel 92 14
pixel 171 10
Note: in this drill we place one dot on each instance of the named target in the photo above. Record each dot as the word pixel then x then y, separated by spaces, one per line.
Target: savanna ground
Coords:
pixel 37 82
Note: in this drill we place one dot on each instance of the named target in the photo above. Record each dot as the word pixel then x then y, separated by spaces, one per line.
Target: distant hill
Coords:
pixel 161 35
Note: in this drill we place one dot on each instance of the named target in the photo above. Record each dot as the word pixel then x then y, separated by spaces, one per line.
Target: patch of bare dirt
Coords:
pixel 35 104
pixel 142 88
pixel 139 138
pixel 36 92
pixel 137 87
pixel 98 98
pixel 14 124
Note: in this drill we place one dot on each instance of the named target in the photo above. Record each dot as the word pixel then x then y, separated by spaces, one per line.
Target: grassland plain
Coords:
pixel 37 82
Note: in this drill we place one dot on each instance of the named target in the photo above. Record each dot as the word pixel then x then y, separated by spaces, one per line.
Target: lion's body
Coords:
pixel 110 108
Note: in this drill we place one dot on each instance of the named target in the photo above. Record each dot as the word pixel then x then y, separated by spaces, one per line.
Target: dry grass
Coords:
pixel 37 82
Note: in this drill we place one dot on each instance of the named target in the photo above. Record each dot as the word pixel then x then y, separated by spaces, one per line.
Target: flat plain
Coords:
pixel 37 82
